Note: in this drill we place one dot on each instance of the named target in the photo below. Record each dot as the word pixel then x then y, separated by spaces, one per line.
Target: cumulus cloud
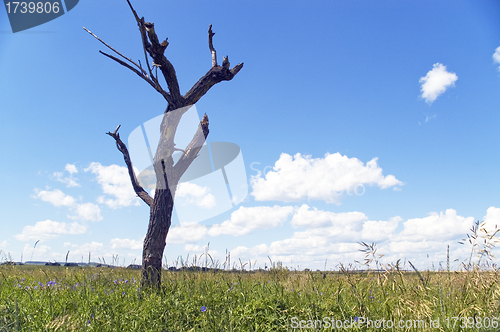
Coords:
pixel 186 234
pixel 416 247
pixel 87 212
pixel 71 169
pixel 190 193
pixel 69 181
pixel 40 253
pixel 496 56
pixel 48 229
pixel 313 218
pixel 115 182
pixel 437 226
pixel 328 179
pixel 55 197
pixel 125 244
pixel 246 220
pixel 335 237
pixel 491 222
pixel 377 231
pixel 436 82
pixel 96 249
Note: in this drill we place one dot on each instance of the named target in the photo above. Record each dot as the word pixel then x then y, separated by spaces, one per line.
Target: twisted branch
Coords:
pixel 143 194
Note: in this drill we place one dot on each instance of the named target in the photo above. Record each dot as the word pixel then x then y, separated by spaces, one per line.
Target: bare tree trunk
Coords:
pixel 167 173
pixel 155 240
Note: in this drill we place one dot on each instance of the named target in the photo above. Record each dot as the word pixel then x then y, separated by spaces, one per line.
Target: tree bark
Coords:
pixel 167 173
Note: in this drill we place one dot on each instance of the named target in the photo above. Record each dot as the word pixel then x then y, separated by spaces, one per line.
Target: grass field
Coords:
pixel 105 299
pixel 391 298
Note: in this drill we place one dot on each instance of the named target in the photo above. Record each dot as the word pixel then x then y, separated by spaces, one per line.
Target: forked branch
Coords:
pixel 143 194
pixel 211 46
pixel 193 148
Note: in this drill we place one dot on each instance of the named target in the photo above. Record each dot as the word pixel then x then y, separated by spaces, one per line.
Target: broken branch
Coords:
pixel 111 48
pixel 211 46
pixel 143 194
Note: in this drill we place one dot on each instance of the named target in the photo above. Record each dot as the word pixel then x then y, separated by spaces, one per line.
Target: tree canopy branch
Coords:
pixel 211 46
pixel 143 194
pixel 213 76
pixel 111 48
pixel 193 148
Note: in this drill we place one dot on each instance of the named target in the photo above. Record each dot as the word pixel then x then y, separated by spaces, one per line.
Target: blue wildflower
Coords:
pixel 203 309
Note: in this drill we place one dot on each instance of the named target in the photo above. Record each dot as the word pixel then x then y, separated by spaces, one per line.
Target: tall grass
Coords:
pixel 95 299
pixel 111 299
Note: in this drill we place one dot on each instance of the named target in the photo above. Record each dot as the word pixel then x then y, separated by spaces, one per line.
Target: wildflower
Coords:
pixel 230 289
pixel 356 318
pixel 203 309
pixel 321 293
pixel 371 298
pixel 35 287
pixel 123 293
pixel 116 281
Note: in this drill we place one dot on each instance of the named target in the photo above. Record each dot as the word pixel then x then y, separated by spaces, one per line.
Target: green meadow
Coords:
pixel 112 299
pixel 393 297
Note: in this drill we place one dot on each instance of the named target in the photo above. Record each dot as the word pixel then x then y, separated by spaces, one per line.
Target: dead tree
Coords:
pixel 167 172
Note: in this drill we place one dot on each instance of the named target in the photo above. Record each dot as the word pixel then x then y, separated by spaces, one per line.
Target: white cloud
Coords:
pixel 55 197
pixel 496 56
pixel 422 246
pixel 302 177
pixel 69 181
pixel 41 252
pixel 377 231
pixel 186 234
pixel 114 181
pixel 96 249
pixel 333 238
pixel 4 244
pixel 316 218
pixel 191 193
pixel 246 220
pixel 194 248
pixel 125 244
pixel 436 82
pixel 88 212
pixel 491 222
pixel 70 168
pixel 48 229
pixel 443 226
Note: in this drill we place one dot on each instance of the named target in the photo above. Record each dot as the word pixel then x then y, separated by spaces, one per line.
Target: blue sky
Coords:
pixel 397 101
